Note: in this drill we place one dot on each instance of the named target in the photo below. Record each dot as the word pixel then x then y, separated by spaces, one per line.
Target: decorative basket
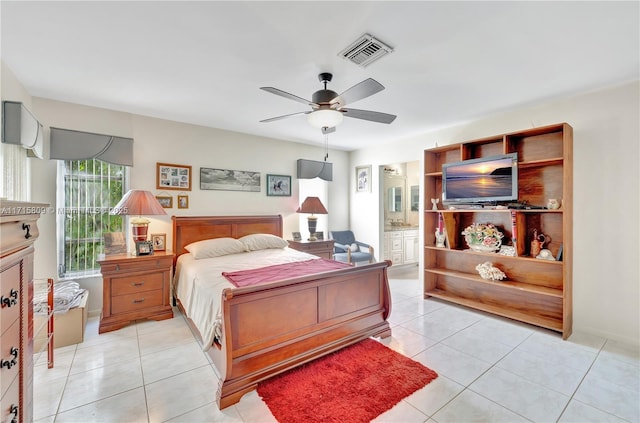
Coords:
pixel 483 237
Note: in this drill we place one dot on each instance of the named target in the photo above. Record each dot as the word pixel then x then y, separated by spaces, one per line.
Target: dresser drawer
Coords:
pixel 9 400
pixel 10 340
pixel 136 301
pixel 10 293
pixel 134 284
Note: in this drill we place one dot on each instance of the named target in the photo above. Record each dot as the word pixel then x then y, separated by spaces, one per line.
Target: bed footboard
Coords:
pixel 273 328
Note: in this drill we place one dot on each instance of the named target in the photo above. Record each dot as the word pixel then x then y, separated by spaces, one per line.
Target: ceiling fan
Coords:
pixel 327 106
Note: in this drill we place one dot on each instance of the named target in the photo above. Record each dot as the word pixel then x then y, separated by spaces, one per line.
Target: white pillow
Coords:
pixel 217 247
pixel 354 248
pixel 255 242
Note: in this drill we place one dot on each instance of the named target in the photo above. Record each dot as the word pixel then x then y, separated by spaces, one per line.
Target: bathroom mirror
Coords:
pixel 394 195
pixel 415 197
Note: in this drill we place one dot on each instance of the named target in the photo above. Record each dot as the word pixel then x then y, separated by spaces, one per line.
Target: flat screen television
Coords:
pixel 485 180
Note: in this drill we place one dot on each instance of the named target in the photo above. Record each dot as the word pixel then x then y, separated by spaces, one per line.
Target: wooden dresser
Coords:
pixel 135 287
pixel 18 231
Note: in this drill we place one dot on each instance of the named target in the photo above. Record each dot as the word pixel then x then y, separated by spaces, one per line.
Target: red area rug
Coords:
pixel 353 385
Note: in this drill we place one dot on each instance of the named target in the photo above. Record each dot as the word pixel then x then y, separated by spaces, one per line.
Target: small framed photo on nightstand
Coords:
pixel 296 236
pixel 320 236
pixel 144 248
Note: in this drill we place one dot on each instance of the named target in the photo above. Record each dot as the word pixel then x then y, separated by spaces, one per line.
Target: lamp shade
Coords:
pixel 324 118
pixel 312 205
pixel 139 203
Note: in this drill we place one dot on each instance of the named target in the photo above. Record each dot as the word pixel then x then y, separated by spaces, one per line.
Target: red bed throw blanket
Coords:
pixel 282 271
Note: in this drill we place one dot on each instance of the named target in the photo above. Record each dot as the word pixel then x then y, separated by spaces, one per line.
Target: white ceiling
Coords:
pixel 203 62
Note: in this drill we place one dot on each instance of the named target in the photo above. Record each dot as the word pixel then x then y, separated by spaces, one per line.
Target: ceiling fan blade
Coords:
pixel 289 96
pixel 359 91
pixel 284 116
pixel 368 115
pixel 326 130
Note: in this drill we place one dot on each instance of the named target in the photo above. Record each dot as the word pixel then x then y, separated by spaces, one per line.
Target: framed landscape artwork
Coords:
pixel 173 176
pixel 229 180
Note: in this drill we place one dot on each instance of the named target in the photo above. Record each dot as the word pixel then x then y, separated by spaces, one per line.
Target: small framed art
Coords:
pixel 183 201
pixel 144 248
pixel 363 178
pixel 159 242
pixel 165 201
pixel 296 236
pixel 173 176
pixel 279 186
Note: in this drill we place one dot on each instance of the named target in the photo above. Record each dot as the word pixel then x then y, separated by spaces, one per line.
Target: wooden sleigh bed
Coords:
pixel 268 329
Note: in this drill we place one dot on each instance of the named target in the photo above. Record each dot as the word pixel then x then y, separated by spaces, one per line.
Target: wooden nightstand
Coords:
pixel 317 248
pixel 135 288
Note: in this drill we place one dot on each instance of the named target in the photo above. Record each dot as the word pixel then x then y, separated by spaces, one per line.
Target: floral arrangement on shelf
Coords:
pixel 483 237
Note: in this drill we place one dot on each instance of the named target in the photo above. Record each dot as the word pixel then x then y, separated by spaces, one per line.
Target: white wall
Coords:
pixel 157 140
pixel 606 123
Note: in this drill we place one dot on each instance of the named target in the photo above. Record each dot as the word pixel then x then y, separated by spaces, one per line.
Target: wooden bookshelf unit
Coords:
pixel 536 291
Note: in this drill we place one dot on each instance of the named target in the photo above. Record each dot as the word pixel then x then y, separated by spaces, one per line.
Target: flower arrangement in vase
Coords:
pixel 483 237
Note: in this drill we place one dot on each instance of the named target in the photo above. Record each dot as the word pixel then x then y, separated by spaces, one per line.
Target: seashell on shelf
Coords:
pixel 489 272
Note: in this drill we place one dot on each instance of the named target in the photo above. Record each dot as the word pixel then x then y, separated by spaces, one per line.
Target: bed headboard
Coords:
pixel 188 229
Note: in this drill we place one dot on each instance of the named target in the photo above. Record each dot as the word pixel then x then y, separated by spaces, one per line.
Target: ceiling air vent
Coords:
pixel 365 50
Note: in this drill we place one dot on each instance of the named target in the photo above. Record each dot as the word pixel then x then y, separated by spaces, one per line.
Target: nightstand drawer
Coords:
pixel 134 284
pixel 322 248
pixel 137 301
pixel 314 247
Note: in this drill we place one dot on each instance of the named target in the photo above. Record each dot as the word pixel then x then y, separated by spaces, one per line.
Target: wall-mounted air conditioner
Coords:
pixel 20 126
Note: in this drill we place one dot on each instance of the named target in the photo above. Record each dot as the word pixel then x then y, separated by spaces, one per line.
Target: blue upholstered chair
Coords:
pixel 347 249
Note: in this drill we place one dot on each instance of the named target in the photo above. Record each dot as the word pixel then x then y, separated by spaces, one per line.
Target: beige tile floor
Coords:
pixel 491 370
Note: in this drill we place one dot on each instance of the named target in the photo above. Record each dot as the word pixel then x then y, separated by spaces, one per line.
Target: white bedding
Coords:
pixel 199 284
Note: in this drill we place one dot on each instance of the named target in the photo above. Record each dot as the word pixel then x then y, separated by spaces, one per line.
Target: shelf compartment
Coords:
pixel 532 146
pixel 504 284
pixel 545 274
pixel 500 296
pixel 537 184
pixel 487 147
pixel 436 157
pixel 542 321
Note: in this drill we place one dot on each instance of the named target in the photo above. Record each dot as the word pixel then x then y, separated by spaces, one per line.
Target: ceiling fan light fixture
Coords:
pixel 324 118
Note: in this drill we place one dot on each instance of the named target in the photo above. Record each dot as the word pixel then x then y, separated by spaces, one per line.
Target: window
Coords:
pixel 88 189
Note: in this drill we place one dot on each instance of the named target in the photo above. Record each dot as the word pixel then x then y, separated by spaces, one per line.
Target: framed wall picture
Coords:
pixel 183 201
pixel 229 180
pixel 279 186
pixel 144 248
pixel 159 242
pixel 363 178
pixel 166 201
pixel 173 176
